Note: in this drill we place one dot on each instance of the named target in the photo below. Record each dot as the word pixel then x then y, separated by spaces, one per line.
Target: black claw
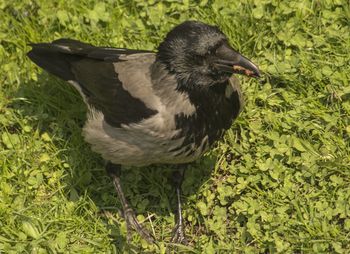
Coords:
pixel 132 222
pixel 179 235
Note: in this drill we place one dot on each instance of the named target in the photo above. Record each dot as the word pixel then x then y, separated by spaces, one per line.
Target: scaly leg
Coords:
pixel 114 172
pixel 178 231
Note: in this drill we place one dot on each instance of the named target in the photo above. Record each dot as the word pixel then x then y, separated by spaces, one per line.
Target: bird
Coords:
pixel 168 106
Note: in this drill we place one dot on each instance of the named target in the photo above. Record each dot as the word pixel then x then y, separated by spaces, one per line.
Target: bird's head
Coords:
pixel 198 52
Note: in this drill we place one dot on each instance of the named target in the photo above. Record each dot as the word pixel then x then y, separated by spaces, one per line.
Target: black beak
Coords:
pixel 229 60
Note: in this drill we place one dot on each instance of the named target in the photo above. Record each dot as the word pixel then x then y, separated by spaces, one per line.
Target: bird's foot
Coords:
pixel 178 235
pixel 133 223
pixel 129 215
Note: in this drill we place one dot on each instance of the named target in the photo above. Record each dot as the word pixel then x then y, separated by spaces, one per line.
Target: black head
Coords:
pixel 198 52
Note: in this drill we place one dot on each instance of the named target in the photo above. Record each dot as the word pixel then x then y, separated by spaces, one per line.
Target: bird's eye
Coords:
pixel 212 50
pixel 215 48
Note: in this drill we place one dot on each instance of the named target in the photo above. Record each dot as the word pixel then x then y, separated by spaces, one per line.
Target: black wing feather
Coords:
pixel 109 96
pixel 93 70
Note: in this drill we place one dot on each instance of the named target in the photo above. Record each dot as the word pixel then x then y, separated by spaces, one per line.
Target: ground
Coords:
pixel 277 182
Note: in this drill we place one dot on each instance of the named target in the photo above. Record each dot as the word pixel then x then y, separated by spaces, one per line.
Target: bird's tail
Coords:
pixel 56 57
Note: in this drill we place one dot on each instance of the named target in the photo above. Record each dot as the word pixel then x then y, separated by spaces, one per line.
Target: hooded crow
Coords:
pixel 144 107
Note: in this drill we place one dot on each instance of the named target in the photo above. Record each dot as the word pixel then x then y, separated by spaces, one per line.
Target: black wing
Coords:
pixel 93 69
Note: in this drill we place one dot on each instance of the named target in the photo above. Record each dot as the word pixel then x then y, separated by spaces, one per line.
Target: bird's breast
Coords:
pixel 215 112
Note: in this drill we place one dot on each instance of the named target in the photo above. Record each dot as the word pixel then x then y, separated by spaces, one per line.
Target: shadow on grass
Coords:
pixel 56 108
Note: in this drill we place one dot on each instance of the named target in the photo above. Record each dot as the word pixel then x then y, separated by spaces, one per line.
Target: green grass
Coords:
pixel 278 182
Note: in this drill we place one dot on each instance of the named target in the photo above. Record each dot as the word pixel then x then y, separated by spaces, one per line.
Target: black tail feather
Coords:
pixel 53 62
pixel 57 57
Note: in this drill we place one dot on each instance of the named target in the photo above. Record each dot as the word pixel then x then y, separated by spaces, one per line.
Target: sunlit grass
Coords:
pixel 278 182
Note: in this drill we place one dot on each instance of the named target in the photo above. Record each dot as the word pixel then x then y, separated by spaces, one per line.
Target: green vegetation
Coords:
pixel 278 182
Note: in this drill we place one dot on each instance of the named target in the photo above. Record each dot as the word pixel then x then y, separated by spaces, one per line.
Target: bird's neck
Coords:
pixel 216 108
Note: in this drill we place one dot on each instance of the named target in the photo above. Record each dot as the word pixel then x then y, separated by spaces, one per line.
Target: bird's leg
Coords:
pixel 178 232
pixel 114 171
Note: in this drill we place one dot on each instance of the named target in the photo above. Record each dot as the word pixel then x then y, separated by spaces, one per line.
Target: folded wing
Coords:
pixel 93 70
